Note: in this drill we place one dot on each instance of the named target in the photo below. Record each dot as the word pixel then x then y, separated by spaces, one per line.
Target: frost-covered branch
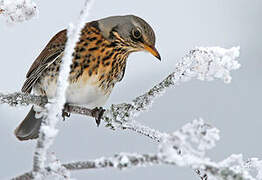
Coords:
pixel 48 131
pixel 143 130
pixel 120 161
pixel 22 99
pixel 126 160
pixel 18 10
pixel 185 147
pixel 200 63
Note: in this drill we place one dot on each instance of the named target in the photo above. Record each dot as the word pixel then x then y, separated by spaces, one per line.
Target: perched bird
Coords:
pixel 99 62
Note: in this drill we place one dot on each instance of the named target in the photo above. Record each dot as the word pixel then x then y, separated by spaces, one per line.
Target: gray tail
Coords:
pixel 29 127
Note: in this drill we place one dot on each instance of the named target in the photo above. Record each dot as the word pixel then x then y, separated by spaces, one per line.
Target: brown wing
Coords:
pixel 51 52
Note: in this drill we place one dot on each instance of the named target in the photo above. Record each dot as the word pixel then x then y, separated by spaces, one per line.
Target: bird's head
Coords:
pixel 130 31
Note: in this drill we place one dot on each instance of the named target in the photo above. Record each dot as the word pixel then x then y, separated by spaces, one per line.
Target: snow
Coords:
pixel 189 143
pixel 255 163
pixel 185 147
pixel 18 10
pixel 56 168
pixel 202 63
pixel 144 130
pixel 48 131
pixel 179 148
pixel 202 134
pixel 212 62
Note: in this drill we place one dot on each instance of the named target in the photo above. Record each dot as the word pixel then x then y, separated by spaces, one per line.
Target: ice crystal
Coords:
pixel 18 10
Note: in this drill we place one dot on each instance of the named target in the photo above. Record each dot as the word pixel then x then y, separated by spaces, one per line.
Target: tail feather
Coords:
pixel 29 127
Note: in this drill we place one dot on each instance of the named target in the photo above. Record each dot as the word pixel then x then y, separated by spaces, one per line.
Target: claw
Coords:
pixel 97 113
pixel 65 112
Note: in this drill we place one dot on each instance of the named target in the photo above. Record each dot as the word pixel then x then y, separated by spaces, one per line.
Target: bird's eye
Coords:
pixel 136 33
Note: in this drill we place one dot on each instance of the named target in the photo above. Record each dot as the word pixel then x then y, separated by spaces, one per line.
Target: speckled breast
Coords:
pixel 97 65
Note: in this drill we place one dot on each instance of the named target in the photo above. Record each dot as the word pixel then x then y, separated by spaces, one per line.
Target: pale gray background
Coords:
pixel 179 25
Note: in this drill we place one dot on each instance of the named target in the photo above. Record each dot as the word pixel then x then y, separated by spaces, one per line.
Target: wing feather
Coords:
pixel 35 75
pixel 49 55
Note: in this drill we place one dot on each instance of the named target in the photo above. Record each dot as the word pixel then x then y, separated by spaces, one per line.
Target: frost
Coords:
pixel 203 63
pixel 121 161
pixel 48 132
pixel 144 130
pixel 179 148
pixel 187 146
pixel 256 164
pixel 212 62
pixel 200 133
pixel 124 160
pixel 18 10
pixel 56 168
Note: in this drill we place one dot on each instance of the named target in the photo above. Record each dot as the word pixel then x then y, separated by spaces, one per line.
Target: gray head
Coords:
pixel 131 31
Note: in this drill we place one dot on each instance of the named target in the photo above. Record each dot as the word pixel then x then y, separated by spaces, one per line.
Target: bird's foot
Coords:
pixel 97 113
pixel 65 111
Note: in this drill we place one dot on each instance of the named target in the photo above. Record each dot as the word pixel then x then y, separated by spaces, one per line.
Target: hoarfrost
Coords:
pixel 18 10
pixel 212 62
pixel 48 130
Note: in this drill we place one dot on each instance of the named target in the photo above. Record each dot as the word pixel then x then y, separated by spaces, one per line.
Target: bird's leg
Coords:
pixel 66 111
pixel 97 113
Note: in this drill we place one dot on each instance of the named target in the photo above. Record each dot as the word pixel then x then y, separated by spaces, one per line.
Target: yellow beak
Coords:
pixel 153 51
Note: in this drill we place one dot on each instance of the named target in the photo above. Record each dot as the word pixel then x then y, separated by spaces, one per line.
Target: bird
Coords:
pixel 98 63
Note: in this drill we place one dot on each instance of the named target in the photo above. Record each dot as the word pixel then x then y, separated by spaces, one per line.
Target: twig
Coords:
pixel 198 63
pixel 119 161
pixel 127 160
pixel 47 131
pixel 22 99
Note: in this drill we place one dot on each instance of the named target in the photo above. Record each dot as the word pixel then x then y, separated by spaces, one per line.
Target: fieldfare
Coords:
pixel 99 62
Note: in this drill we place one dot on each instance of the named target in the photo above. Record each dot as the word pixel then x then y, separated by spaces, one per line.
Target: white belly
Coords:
pixel 89 95
pixel 83 93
